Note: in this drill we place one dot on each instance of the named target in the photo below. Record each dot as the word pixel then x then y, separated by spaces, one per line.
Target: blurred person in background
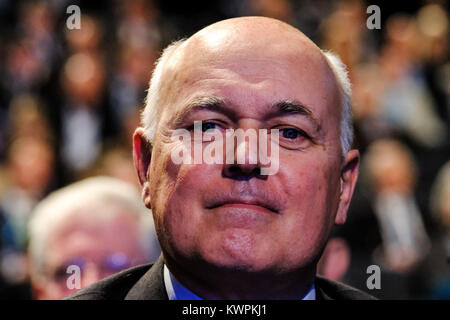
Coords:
pixel 437 267
pixel 344 31
pixel 386 225
pixel 81 119
pixel 277 9
pixel 392 174
pixel 117 162
pixel 30 168
pixel 137 23
pixel 389 177
pixel 80 109
pixel 29 176
pixel 27 118
pixel 30 55
pixel 29 52
pixel 406 102
pixel 393 95
pixel 89 38
pixel 399 91
pixel 138 38
pixel 128 84
pixel 98 225
pixel 433 26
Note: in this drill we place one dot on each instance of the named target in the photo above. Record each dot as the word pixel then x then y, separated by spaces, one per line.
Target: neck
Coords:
pixel 219 283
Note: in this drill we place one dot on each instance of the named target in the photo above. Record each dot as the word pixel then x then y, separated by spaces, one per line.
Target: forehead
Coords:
pixel 250 71
pixel 82 235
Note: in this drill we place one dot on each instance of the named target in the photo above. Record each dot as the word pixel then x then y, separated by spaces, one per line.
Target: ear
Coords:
pixel 142 151
pixel 349 176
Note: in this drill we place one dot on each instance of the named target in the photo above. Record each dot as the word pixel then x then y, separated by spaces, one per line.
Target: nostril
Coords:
pixel 240 173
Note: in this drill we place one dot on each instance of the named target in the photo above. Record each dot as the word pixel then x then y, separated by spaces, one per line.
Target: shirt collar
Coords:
pixel 176 291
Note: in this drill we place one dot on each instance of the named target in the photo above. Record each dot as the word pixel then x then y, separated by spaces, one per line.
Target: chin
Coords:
pixel 247 265
pixel 239 250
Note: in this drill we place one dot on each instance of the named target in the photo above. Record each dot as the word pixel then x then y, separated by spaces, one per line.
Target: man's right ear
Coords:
pixel 142 152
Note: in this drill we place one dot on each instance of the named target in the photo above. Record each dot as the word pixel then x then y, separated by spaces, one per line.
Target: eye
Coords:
pixel 205 125
pixel 292 134
pixel 116 262
pixel 209 125
pixel 293 138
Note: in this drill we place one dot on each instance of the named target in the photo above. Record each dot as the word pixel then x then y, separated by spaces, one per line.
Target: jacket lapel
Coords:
pixel 320 293
pixel 151 285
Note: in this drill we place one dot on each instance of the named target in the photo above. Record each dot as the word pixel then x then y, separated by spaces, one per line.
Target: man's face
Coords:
pixel 228 215
pixel 99 248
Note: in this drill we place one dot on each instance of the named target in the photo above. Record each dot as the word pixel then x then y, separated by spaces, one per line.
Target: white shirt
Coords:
pixel 176 291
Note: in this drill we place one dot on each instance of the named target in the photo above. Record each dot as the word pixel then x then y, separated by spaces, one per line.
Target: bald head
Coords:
pixel 236 43
pixel 252 32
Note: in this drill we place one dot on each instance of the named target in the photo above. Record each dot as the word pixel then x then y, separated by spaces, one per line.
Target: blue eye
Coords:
pixel 208 125
pixel 290 133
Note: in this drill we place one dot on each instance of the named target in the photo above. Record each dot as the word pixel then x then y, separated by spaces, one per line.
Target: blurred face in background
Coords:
pixel 391 167
pixel 31 165
pixel 83 79
pixel 99 248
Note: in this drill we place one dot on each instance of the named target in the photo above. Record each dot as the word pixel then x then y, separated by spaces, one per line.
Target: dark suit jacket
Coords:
pixel 146 282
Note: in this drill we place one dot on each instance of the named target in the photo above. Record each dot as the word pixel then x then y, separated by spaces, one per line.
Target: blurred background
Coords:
pixel 70 100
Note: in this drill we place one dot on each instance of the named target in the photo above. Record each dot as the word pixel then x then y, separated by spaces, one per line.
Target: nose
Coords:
pixel 242 161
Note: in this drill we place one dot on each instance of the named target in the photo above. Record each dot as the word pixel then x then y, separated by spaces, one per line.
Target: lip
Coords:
pixel 253 204
pixel 247 206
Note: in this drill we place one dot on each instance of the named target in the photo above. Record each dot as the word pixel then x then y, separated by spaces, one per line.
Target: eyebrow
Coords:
pixel 292 107
pixel 216 104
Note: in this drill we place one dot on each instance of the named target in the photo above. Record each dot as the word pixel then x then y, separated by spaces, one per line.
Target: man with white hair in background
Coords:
pixel 85 232
pixel 232 230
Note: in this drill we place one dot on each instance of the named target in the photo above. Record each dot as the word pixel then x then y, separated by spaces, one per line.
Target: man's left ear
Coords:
pixel 349 176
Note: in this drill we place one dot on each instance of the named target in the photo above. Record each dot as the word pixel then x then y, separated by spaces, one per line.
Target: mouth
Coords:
pixel 252 204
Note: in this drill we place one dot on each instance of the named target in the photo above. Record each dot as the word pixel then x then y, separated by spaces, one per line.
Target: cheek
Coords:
pixel 162 178
pixel 179 207
pixel 309 187
pixel 306 180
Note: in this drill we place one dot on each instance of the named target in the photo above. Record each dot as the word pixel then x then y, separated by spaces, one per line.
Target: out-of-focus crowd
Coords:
pixel 70 100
